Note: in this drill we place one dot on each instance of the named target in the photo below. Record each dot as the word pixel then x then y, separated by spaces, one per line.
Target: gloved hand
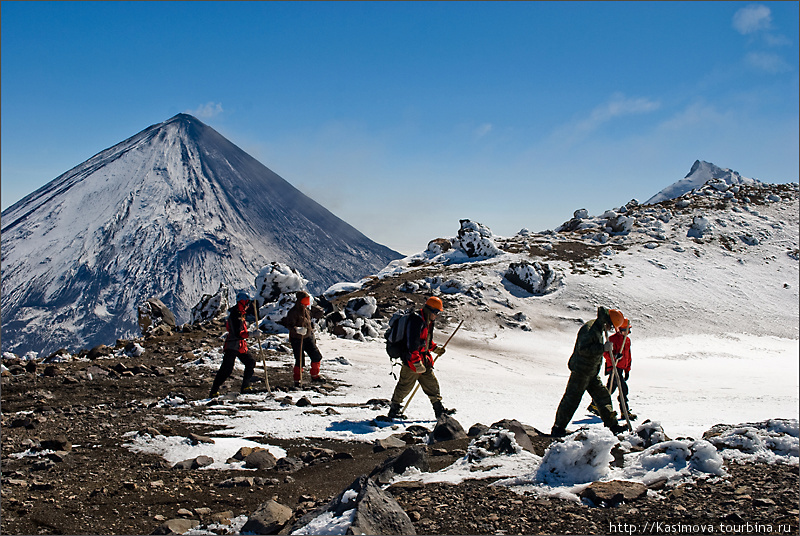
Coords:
pixel 417 367
pixel 608 371
pixel 608 347
pixel 438 350
pixel 627 374
pixel 302 330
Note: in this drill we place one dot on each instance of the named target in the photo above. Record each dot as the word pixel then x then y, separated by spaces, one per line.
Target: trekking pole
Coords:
pixel 416 387
pixel 302 359
pixel 622 405
pixel 261 350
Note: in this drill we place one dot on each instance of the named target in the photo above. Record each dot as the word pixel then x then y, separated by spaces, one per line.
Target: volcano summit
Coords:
pixel 171 212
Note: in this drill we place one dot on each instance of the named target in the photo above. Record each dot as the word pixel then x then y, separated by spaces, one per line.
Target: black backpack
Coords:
pixel 396 334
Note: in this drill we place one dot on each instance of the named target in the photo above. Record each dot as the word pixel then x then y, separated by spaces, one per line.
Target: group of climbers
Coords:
pixel 584 364
pixel 301 336
pixel 593 346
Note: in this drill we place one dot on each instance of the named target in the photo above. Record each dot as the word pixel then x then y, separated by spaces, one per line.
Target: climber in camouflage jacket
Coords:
pixel 584 365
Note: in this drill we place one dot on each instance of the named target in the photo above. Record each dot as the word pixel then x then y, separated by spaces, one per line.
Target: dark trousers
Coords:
pixel 301 348
pixel 309 348
pixel 578 384
pixel 226 368
pixel 611 385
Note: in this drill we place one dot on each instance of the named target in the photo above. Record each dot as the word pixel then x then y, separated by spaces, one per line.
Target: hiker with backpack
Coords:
pixel 301 337
pixel 584 366
pixel 417 337
pixel 236 345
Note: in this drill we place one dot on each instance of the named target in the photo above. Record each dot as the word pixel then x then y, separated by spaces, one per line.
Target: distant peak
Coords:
pixel 183 118
pixel 702 164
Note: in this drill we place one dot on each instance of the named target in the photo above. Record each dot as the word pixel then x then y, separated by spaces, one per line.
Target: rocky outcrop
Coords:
pixel 364 508
pixel 155 318
pixel 269 518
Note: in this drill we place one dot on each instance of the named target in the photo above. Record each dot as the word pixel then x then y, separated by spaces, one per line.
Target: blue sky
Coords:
pixel 402 118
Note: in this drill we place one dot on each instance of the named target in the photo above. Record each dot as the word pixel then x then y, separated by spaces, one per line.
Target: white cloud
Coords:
pixel 566 136
pixel 483 130
pixel 619 105
pixel 752 18
pixel 207 110
pixel 696 114
pixel 764 61
pixel 777 40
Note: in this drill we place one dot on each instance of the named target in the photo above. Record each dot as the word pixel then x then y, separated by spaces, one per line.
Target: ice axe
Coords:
pixel 434 360
pixel 260 349
pixel 622 404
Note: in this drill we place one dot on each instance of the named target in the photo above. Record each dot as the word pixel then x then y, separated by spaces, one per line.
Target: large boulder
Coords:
pixel 152 314
pixel 614 492
pixel 363 508
pixel 620 224
pixel 176 526
pixel 277 288
pixel 277 279
pixel 520 433
pixel 194 463
pixel 362 306
pixel 476 240
pixel 447 428
pixel 535 277
pixel 211 306
pixel 416 456
pixel 269 518
pixel 439 246
pixel 260 459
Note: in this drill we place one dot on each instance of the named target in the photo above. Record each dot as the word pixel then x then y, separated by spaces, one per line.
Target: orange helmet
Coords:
pixel 616 317
pixel 435 303
pixel 626 324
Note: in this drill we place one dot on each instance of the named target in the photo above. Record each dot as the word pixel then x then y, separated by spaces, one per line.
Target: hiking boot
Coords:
pixel 631 415
pixel 558 431
pixel 439 410
pixel 297 384
pixel 247 389
pixel 213 394
pixel 618 428
pixel 317 379
pixel 394 412
pixel 593 409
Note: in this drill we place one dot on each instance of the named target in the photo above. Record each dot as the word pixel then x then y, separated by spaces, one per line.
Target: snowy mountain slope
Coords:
pixel 171 212
pixel 700 174
pixel 714 310
pixel 710 262
pixel 715 317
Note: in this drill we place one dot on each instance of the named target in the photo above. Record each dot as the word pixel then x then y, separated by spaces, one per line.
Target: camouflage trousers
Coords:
pixel 427 380
pixel 578 384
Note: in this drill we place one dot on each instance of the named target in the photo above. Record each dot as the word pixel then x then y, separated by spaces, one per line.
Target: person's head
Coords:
pixel 433 307
pixel 617 318
pixel 609 318
pixel 303 298
pixel 625 328
pixel 242 300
